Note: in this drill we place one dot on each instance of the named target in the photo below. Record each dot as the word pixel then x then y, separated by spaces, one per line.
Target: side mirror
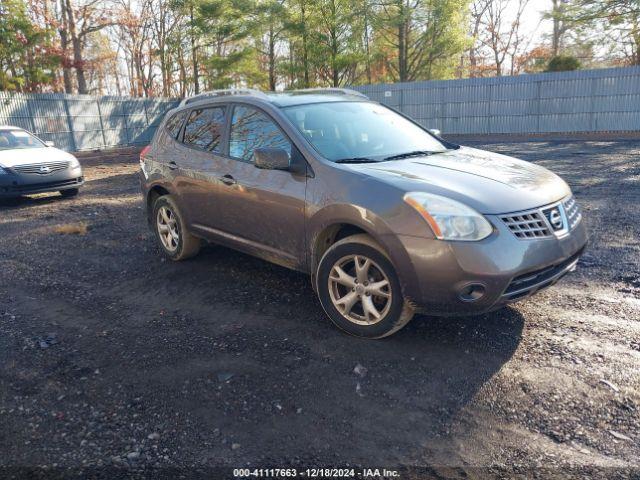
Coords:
pixel 271 158
pixel 435 132
pixel 49 143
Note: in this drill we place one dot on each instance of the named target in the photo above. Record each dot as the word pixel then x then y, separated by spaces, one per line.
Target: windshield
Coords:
pixel 10 139
pixel 359 131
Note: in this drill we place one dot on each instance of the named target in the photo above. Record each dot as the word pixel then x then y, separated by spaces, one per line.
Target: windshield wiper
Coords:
pixel 415 153
pixel 355 160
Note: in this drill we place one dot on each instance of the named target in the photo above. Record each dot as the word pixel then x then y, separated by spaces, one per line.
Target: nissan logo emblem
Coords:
pixel 45 169
pixel 556 219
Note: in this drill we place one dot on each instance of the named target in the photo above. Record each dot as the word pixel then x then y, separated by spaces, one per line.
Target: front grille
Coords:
pixel 44 168
pixel 557 219
pixel 572 210
pixel 527 225
pixel 524 284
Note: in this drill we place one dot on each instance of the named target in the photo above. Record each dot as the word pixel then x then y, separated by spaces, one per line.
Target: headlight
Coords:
pixel 3 171
pixel 449 220
pixel 74 163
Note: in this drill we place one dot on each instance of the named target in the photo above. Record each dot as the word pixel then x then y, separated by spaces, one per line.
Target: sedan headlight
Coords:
pixel 449 220
pixel 74 163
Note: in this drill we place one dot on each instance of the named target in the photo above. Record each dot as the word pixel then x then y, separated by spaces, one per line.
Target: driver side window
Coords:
pixel 251 129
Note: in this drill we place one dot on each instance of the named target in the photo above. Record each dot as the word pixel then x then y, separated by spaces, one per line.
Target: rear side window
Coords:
pixel 204 129
pixel 251 129
pixel 174 124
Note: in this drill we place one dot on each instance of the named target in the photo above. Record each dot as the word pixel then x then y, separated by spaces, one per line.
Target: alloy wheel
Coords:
pixel 168 229
pixel 360 290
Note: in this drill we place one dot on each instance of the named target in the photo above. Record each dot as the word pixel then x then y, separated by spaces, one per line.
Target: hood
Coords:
pixel 489 182
pixel 22 156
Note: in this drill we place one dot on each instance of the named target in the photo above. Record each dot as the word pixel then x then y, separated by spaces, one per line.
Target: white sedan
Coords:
pixel 29 165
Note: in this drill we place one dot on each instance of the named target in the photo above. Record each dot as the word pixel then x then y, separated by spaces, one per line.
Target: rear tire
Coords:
pixel 359 289
pixel 70 192
pixel 172 235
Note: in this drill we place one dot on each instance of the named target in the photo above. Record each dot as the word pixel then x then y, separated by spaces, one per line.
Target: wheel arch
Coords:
pixel 153 193
pixel 336 222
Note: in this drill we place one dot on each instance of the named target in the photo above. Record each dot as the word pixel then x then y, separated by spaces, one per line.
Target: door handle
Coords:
pixel 228 180
pixel 173 165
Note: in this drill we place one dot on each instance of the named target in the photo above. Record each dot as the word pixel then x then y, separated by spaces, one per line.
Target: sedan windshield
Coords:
pixel 360 131
pixel 10 139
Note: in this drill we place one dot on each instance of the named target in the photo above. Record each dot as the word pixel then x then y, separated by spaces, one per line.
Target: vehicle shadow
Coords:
pixel 316 387
pixel 29 201
pixel 228 349
pixel 122 183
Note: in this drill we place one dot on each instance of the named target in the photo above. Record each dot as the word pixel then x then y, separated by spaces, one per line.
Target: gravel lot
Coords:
pixel 117 362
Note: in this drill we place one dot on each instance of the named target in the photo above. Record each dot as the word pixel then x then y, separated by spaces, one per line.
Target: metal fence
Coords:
pixel 83 122
pixel 581 101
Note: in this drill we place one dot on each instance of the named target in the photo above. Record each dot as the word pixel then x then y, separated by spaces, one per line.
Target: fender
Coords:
pixel 373 225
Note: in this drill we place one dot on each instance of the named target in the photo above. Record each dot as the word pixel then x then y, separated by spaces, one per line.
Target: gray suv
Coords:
pixel 386 217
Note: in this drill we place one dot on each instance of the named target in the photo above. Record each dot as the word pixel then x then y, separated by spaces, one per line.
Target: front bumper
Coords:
pixel 14 184
pixel 504 268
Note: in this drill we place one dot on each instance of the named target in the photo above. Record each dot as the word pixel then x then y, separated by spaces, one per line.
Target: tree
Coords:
pixel 427 36
pixel 135 41
pixel 366 12
pixel 299 29
pixel 79 20
pixel 501 32
pixel 272 20
pixel 534 60
pixel 617 23
pixel 103 60
pixel 560 24
pixel 478 10
pixel 164 20
pixel 569 35
pixel 582 26
pixel 179 47
pixel 27 56
pixel 188 12
pixel 225 27
pixel 561 63
pixel 336 41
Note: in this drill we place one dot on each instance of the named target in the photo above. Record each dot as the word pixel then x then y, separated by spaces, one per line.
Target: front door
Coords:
pixel 262 210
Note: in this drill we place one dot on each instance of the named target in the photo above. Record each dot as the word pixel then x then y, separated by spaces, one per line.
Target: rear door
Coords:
pixel 261 210
pixel 199 164
pixel 165 151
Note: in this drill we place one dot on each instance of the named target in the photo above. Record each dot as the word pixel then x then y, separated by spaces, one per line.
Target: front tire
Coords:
pixel 359 289
pixel 171 231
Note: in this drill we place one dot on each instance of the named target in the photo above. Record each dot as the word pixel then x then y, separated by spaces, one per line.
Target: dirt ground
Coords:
pixel 115 362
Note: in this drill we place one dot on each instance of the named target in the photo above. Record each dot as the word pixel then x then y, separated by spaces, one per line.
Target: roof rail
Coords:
pixel 340 91
pixel 222 93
